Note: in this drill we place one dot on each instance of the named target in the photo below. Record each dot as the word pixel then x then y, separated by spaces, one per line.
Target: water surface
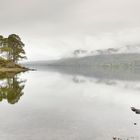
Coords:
pixel 70 104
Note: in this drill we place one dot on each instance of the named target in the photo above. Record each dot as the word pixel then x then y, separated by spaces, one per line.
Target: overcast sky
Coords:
pixel 53 28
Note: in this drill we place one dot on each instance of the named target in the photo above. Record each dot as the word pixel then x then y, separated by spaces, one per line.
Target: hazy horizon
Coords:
pixel 52 29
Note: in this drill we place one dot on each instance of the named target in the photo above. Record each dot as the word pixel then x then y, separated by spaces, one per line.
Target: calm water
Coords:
pixel 70 104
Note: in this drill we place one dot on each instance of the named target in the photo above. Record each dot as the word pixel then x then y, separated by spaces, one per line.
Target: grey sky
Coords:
pixel 52 28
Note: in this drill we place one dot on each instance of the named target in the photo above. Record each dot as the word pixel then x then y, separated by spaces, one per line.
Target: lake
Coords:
pixel 65 103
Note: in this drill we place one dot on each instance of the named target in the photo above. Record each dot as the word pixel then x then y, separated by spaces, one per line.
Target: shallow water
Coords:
pixel 54 104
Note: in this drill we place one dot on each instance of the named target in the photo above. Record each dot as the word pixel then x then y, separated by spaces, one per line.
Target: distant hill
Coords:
pixel 123 59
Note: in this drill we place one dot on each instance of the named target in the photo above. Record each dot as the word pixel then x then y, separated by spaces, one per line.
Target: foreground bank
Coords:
pixel 9 66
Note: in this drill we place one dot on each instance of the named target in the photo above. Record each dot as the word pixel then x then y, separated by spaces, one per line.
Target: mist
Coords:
pixel 53 29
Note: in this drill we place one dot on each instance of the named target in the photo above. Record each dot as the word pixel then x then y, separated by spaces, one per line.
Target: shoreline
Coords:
pixel 16 69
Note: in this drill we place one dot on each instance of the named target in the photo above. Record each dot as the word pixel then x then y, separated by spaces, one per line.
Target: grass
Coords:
pixel 9 66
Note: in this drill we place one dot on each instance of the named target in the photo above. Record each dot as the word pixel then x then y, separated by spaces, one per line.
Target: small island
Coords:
pixel 11 52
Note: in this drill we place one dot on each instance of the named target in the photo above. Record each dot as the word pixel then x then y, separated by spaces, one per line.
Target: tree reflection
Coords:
pixel 11 87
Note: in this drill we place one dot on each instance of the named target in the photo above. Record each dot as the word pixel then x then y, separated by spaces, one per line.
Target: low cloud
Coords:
pixel 51 29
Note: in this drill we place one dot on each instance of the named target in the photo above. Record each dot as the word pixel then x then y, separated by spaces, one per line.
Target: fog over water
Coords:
pixel 51 29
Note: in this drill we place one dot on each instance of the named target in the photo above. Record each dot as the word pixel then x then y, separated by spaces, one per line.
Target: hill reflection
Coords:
pixel 127 78
pixel 11 87
pixel 100 72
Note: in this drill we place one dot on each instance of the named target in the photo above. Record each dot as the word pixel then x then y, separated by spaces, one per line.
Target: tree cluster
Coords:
pixel 12 48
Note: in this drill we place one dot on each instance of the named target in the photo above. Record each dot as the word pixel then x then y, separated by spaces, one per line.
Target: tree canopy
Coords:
pixel 12 48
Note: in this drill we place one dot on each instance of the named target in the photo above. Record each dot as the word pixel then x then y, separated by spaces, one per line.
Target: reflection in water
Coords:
pixel 11 87
pixel 127 78
pixel 84 105
pixel 102 73
pixel 78 80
